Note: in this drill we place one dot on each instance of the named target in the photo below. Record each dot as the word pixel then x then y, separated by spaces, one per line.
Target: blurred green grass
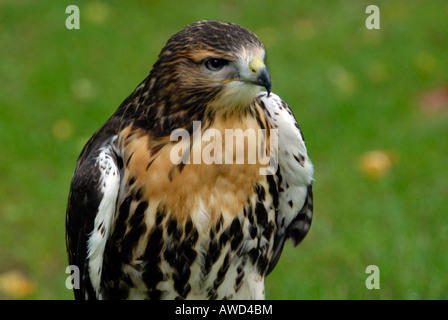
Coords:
pixel 353 90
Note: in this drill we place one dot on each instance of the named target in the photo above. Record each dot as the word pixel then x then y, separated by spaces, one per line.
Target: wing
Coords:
pixel 295 176
pixel 91 208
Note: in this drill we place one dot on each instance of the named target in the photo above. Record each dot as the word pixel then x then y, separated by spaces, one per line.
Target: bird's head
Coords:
pixel 216 62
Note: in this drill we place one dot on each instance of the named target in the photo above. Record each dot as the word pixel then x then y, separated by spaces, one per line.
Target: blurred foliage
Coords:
pixel 372 105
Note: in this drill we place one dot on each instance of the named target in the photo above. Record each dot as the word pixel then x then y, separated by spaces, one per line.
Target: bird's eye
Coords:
pixel 215 64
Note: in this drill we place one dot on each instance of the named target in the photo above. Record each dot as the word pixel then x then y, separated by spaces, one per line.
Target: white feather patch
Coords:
pixel 110 183
pixel 295 165
pixel 293 157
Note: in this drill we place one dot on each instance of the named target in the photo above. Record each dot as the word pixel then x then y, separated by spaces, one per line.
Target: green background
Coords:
pixel 353 90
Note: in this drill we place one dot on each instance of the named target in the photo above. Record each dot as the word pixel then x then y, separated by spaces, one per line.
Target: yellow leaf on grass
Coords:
pixel 15 285
pixel 376 163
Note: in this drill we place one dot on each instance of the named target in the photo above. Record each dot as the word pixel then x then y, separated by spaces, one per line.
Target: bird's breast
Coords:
pixel 214 168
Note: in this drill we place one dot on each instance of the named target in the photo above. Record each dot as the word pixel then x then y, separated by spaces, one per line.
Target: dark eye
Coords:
pixel 215 64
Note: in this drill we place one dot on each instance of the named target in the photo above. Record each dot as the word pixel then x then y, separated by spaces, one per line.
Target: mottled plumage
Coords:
pixel 140 226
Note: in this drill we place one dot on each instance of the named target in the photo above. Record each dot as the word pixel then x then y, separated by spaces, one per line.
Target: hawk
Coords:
pixel 142 226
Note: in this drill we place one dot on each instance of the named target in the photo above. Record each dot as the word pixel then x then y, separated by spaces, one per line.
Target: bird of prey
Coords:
pixel 140 224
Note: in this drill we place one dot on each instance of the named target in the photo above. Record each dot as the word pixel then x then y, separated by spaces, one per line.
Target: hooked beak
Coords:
pixel 263 79
pixel 260 73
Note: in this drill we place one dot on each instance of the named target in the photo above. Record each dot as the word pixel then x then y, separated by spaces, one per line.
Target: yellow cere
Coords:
pixel 256 64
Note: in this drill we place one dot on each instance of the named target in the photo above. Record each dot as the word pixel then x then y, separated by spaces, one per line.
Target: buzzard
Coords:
pixel 142 224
